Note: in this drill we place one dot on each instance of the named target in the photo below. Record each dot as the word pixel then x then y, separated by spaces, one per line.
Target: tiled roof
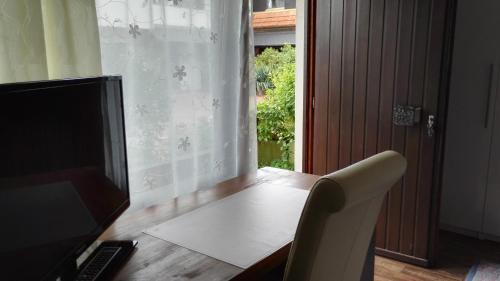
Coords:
pixel 274 19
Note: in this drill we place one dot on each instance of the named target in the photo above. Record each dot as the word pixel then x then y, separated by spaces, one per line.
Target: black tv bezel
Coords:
pixel 18 87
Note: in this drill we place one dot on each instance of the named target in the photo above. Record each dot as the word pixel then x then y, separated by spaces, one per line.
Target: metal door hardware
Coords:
pixel 405 115
pixel 491 93
pixel 431 124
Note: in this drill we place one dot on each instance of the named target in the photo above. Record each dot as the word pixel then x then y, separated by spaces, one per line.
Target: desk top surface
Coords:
pixel 156 259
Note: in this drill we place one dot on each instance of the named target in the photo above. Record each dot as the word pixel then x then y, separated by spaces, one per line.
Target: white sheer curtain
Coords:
pixel 189 97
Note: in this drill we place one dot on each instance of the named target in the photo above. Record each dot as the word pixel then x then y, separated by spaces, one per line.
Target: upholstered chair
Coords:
pixel 339 218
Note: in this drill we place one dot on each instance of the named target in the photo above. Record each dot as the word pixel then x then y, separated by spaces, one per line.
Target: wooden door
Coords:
pixel 369 56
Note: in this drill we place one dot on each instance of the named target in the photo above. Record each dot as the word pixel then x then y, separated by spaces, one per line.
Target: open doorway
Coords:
pixel 279 69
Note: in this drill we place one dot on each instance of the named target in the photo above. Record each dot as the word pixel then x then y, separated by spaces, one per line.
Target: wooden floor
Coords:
pixel 457 254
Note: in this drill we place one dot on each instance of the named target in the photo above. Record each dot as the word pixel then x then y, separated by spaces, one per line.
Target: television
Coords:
pixel 63 172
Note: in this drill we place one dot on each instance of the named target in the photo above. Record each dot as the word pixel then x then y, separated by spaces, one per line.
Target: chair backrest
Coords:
pixel 339 218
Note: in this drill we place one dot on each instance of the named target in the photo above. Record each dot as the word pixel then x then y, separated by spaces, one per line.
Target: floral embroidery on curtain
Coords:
pixel 189 97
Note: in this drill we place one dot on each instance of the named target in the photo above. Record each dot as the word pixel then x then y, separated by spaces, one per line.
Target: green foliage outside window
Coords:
pixel 276 112
pixel 263 80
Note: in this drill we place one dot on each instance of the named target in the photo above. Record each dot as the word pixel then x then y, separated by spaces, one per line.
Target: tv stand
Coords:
pixel 105 260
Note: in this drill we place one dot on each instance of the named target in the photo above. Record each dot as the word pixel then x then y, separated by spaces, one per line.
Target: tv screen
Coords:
pixel 63 171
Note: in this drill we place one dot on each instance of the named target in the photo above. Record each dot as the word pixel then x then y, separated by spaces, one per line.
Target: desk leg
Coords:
pixel 369 269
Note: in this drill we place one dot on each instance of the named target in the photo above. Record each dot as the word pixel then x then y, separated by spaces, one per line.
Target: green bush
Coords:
pixel 276 58
pixel 263 79
pixel 276 113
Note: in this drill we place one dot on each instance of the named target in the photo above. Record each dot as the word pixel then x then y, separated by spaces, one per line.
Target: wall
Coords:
pixel 259 5
pixel 274 37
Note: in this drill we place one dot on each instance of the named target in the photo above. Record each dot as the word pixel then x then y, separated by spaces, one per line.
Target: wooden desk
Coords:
pixel 156 259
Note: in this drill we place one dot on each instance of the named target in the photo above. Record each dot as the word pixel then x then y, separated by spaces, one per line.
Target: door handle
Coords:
pixel 491 91
pixel 431 124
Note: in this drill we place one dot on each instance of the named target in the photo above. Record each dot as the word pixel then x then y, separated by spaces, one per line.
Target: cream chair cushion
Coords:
pixel 338 220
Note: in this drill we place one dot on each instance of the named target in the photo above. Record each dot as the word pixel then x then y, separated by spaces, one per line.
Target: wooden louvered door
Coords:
pixel 369 56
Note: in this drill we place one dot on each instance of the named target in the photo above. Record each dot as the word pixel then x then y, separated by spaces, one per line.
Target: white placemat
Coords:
pixel 240 229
